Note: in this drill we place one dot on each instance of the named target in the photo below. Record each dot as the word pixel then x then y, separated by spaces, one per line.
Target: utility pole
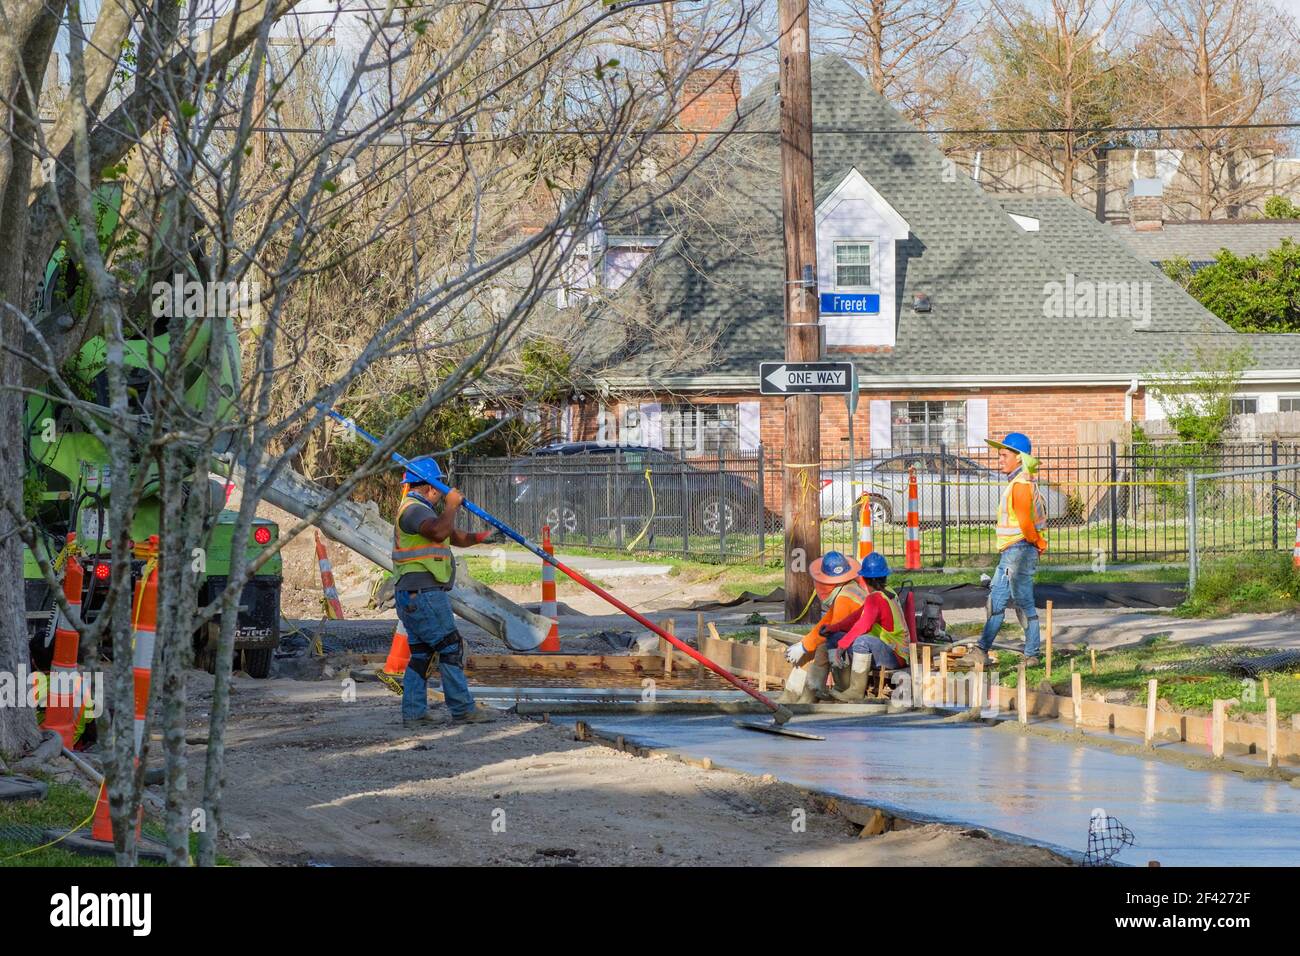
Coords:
pixel 801 472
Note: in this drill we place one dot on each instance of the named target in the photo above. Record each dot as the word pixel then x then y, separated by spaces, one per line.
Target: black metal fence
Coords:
pixel 1104 504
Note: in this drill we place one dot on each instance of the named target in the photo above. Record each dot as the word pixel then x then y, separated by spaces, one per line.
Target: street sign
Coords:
pixel 803 378
pixel 850 303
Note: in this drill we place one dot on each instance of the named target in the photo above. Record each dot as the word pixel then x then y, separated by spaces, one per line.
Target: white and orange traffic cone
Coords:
pixel 333 606
pixel 399 655
pixel 548 608
pixel 62 711
pixel 1295 555
pixel 865 543
pixel 912 547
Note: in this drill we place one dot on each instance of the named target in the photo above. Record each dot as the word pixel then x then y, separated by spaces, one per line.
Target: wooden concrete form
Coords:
pixel 1185 728
pixel 1150 733
pixel 1022 695
pixel 743 660
pixel 1049 640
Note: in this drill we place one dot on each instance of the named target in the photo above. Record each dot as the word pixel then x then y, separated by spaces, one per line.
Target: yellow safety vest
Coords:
pixel 1008 521
pixel 415 552
pixel 899 636
pixel 854 591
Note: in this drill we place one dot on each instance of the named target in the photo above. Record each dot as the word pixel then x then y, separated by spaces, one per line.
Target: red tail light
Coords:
pixel 102 571
pixel 262 535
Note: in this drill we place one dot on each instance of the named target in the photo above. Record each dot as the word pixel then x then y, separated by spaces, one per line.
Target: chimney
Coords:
pixel 1146 204
pixel 709 100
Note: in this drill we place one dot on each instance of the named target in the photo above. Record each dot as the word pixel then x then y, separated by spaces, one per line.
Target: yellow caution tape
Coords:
pixel 45 846
pixel 646 527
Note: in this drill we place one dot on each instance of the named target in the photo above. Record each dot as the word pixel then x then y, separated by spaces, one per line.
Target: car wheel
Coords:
pixel 881 513
pixel 720 514
pixel 562 518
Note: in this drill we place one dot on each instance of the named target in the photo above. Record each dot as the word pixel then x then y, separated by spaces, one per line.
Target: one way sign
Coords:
pixel 794 378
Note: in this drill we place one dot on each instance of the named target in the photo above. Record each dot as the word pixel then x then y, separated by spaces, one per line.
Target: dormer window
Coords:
pixel 853 265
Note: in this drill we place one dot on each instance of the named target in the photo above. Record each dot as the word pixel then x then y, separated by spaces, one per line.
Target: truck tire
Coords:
pixel 257 663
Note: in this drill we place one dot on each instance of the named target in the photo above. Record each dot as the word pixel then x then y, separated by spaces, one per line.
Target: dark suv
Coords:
pixel 589 488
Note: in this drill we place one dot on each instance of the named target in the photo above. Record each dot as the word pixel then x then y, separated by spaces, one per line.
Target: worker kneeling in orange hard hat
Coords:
pixel 875 633
pixel 835 579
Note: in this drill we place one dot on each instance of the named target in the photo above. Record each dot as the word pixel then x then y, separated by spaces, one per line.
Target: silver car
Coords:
pixel 972 490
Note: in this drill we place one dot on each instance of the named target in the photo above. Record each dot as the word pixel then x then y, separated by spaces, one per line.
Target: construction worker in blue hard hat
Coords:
pixel 425 568
pixel 835 581
pixel 875 633
pixel 1020 542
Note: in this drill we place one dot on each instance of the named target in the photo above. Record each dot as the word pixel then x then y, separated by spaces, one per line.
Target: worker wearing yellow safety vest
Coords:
pixel 835 581
pixel 876 632
pixel 426 569
pixel 1019 543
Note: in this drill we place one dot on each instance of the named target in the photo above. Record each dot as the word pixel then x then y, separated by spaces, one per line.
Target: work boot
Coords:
pixel 792 692
pixel 858 677
pixel 426 718
pixel 479 715
pixel 814 688
pixel 841 677
pixel 976 655
pixel 1032 662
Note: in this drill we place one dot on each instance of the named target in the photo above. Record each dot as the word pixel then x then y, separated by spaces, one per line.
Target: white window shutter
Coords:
pixel 749 430
pixel 651 429
pixel 977 422
pixel 881 426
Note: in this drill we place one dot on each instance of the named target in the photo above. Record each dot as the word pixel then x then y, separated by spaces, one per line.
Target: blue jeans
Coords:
pixel 881 653
pixel 1013 583
pixel 427 618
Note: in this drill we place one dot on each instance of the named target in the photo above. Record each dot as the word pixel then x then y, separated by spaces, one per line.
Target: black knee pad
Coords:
pixel 421 660
pixel 451 650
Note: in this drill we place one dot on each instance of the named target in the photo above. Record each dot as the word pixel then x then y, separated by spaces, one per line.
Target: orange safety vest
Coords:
pixel 1008 520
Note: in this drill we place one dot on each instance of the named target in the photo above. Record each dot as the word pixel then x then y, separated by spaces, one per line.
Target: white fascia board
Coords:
pixel 867 382
pixel 855 185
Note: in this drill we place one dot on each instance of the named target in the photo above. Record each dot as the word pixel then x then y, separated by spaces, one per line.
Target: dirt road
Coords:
pixel 313 778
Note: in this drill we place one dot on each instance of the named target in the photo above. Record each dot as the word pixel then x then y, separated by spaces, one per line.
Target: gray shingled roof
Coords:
pixel 1201 241
pixel 717 286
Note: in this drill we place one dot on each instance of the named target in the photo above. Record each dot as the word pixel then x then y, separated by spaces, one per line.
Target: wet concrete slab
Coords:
pixel 971 774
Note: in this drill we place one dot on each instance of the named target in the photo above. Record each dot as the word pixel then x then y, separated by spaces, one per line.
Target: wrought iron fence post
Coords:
pixel 1114 503
pixel 685 505
pixel 943 504
pixel 618 498
pixel 1273 506
pixel 1191 531
pixel 722 507
pixel 762 508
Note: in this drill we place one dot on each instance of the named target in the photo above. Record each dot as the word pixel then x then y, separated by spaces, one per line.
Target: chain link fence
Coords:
pixel 1105 504
pixel 1241 509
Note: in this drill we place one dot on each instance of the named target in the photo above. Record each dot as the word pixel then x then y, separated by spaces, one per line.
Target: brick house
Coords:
pixel 966 314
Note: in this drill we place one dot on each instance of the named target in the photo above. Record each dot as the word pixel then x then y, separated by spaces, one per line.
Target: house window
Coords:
pixel 1288 403
pixel 927 424
pixel 1245 406
pixel 704 429
pixel 853 265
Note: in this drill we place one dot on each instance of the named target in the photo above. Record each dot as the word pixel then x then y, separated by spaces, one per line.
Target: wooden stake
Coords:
pixel 1266 693
pixel 1071 665
pixel 1022 695
pixel 1049 640
pixel 943 679
pixel 880 685
pixel 1093 654
pixel 927 688
pixel 977 692
pixel 1076 696
pixel 1151 713
pixel 671 628
pixel 1270 732
pixel 1216 732
pixel 762 659
pixel 913 671
pixel 713 632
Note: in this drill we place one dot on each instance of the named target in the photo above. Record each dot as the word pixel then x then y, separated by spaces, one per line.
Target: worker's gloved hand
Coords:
pixel 482 537
pixel 838 657
pixel 454 499
pixel 794 652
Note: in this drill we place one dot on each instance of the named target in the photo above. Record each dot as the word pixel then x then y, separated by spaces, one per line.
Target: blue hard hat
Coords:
pixel 1014 441
pixel 874 565
pixel 834 568
pixel 426 464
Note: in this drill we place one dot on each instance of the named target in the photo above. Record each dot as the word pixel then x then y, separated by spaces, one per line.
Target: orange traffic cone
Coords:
pixel 62 711
pixel 333 606
pixel 912 547
pixel 399 652
pixel 865 543
pixel 548 608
